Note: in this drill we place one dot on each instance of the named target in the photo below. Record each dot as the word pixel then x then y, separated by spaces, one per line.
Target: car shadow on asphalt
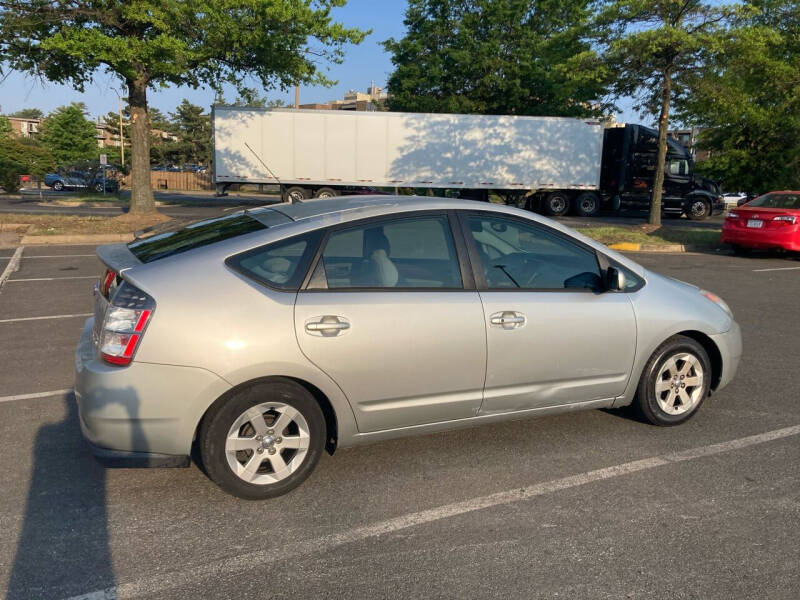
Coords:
pixel 64 548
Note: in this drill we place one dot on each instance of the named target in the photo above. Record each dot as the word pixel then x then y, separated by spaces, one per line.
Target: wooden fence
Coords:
pixel 188 181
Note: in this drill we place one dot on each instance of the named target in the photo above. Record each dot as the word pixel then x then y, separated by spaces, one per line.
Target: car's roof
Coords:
pixel 364 206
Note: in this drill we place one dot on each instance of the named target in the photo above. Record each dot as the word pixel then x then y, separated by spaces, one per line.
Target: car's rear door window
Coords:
pixel 413 252
pixel 281 265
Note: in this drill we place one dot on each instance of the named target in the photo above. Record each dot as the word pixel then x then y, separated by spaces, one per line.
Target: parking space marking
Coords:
pixel 58 255
pixel 17 320
pixel 34 396
pixel 776 269
pixel 54 278
pixel 12 266
pixel 244 562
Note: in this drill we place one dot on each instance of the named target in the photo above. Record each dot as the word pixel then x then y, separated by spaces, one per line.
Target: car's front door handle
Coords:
pixel 327 326
pixel 507 319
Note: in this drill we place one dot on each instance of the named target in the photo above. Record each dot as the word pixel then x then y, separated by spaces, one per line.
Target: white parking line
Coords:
pixel 11 267
pixel 34 396
pixel 54 278
pixel 59 255
pixel 776 269
pixel 245 562
pixel 43 318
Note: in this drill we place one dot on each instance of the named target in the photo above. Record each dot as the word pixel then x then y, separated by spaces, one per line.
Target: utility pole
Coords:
pixel 297 96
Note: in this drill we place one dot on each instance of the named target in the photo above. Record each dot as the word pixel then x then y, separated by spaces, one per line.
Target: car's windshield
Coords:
pixel 776 201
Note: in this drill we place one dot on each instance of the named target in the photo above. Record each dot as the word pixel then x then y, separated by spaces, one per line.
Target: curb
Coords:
pixel 89 238
pixel 632 247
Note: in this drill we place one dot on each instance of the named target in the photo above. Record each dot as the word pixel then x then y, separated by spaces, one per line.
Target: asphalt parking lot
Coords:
pixel 583 505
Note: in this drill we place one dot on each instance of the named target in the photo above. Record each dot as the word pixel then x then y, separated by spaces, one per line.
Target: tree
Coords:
pixel 193 128
pixel 147 44
pixel 747 95
pixel 69 135
pixel 5 127
pixel 28 113
pixel 655 45
pixel 249 97
pixel 22 157
pixel 526 57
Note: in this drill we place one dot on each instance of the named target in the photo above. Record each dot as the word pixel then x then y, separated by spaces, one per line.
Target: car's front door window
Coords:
pixel 515 255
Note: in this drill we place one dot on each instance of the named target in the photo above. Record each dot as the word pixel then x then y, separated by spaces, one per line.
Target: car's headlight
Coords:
pixel 718 301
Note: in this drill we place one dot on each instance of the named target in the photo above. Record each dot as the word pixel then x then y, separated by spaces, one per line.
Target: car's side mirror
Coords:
pixel 615 279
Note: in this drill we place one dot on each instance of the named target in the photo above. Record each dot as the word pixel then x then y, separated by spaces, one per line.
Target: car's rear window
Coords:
pixel 196 235
pixel 790 201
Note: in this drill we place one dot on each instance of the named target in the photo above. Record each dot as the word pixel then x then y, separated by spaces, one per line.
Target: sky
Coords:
pixel 363 64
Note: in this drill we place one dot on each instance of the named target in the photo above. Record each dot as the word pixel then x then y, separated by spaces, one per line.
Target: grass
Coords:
pixel 67 224
pixel 638 234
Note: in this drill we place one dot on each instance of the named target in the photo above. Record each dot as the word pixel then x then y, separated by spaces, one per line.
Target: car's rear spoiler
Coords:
pixel 117 257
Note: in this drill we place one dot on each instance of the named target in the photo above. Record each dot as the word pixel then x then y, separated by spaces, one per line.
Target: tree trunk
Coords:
pixel 141 194
pixel 661 155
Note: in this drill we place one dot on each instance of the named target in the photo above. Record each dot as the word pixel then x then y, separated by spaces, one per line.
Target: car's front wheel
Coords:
pixel 263 441
pixel 674 382
pixel 58 186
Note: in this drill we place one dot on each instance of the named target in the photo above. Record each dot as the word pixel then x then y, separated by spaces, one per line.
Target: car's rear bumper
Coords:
pixel 144 414
pixel 787 237
pixel 730 349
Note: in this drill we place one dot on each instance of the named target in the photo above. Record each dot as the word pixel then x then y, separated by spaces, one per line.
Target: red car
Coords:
pixel 769 221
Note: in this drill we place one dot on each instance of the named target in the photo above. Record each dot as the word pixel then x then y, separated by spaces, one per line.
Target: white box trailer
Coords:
pixel 328 151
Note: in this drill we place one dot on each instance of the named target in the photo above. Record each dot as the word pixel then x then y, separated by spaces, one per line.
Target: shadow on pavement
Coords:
pixel 63 547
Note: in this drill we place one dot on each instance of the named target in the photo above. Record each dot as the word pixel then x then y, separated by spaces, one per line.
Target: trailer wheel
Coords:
pixel 556 204
pixel 326 192
pixel 296 194
pixel 587 204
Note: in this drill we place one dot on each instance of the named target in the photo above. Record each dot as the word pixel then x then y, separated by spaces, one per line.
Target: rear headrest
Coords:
pixel 375 239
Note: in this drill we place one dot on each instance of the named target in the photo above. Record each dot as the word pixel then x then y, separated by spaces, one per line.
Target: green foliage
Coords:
pixel 748 96
pixel 527 57
pixel 22 157
pixel 5 127
pixel 69 135
pixel 28 113
pixel 181 42
pixel 193 128
pixel 249 97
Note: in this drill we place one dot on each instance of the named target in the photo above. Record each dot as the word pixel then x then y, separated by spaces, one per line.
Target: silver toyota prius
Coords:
pixel 266 336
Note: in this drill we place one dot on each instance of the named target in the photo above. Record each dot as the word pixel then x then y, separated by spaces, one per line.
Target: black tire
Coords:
pixel 58 186
pixel 556 204
pixel 587 204
pixel 220 418
pixel 325 192
pixel 646 403
pixel 698 209
pixel 98 187
pixel 296 194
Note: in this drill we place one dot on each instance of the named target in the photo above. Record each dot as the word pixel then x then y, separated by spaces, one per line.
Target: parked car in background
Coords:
pixel 81 180
pixel 269 335
pixel 771 221
pixel 732 199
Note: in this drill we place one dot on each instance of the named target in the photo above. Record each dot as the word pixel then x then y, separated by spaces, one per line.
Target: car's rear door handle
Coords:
pixel 327 326
pixel 507 319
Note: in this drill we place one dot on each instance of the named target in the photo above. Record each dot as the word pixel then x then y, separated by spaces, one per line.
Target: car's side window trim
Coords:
pixel 465 268
pixel 475 259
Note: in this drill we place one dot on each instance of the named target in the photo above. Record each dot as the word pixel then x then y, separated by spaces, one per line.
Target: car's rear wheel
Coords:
pixel 263 441
pixel 674 382
pixel 98 187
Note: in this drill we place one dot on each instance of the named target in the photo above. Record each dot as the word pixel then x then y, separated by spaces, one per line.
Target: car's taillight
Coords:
pixel 733 215
pixel 109 277
pixel 788 219
pixel 126 319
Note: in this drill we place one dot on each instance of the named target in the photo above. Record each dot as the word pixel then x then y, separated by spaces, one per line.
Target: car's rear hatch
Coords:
pixel 764 219
pixel 159 243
